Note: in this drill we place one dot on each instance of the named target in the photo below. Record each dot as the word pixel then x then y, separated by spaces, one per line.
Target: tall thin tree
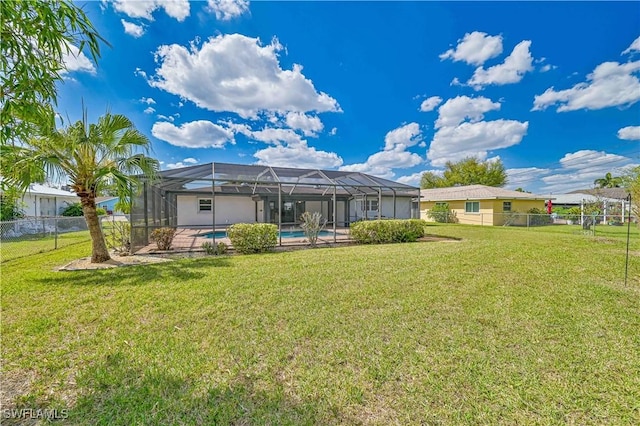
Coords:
pixel 89 156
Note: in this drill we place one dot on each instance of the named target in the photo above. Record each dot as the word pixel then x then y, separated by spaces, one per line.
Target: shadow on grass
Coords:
pixel 118 392
pixel 137 275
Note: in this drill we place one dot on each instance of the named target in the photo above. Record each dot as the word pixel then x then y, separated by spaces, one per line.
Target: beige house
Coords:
pixel 481 205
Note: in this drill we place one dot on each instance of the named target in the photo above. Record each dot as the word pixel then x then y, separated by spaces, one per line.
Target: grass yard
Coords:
pixel 30 245
pixel 507 326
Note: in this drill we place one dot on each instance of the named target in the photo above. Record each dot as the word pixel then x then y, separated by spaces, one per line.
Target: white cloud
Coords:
pixel 140 73
pixel 461 132
pixel 610 84
pixel 475 48
pixel 394 154
pixel 631 133
pixel 236 73
pixel 592 160
pixel 413 179
pixel 524 177
pixel 454 143
pixel 165 117
pixel 298 155
pixel 404 136
pixel 184 163
pixel 577 170
pixel 148 101
pixel 310 125
pixel 564 182
pixel 457 109
pixel 430 104
pixel 333 131
pixel 635 47
pixel 178 9
pixel 195 134
pixel 512 70
pixel 149 110
pixel 381 163
pixel 226 10
pixel 75 60
pixel 132 29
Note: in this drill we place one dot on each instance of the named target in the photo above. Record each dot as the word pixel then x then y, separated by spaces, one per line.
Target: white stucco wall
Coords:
pixel 229 210
pixel 43 205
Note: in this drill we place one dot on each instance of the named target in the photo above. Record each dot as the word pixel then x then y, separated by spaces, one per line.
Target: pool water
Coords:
pixel 283 234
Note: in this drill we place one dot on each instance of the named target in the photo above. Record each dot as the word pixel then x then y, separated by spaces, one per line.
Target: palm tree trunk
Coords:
pixel 99 251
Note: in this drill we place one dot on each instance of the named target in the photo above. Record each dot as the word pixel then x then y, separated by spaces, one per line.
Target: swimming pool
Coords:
pixel 284 234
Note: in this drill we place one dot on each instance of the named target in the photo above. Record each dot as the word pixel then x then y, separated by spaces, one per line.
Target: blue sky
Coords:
pixel 387 88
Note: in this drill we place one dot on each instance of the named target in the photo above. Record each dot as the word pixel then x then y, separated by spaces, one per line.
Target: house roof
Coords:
pixel 476 192
pixel 577 199
pixel 38 189
pixel 105 199
pixel 616 193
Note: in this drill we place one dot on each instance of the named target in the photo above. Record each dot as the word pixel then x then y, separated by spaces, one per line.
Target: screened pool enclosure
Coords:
pixel 210 197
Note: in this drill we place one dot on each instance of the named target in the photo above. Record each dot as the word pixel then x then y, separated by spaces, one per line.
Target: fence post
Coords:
pixel 528 215
pixel 55 227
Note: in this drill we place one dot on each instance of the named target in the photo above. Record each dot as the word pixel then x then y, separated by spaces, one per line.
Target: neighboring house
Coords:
pixel 41 200
pixel 614 201
pixel 480 204
pixel 107 203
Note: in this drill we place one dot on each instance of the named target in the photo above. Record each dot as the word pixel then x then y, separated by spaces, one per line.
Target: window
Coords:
pixel 506 206
pixel 205 205
pixel 371 205
pixel 472 207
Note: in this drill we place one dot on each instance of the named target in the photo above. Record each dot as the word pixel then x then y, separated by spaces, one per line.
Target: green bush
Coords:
pixel 163 237
pixel 442 214
pixel 217 249
pixel 73 210
pixel 387 231
pixel 253 237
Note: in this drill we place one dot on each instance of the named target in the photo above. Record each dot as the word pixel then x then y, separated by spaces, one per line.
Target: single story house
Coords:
pixel 481 205
pixel 107 203
pixel 42 200
pixel 215 195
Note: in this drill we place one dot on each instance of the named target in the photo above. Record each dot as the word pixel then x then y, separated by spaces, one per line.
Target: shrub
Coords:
pixel 253 237
pixel 100 211
pixel 312 224
pixel 73 210
pixel 119 237
pixel 442 214
pixel 387 231
pixel 217 249
pixel 11 207
pixel 163 237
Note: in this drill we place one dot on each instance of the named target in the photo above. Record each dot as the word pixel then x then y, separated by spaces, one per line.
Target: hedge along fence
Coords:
pixel 387 231
pixel 253 237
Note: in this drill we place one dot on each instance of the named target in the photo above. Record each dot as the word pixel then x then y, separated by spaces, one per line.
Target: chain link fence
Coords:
pixel 583 223
pixel 31 235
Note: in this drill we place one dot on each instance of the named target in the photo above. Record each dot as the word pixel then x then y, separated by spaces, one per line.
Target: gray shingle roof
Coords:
pixel 476 192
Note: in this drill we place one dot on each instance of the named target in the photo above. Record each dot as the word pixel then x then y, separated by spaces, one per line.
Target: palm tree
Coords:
pixel 608 181
pixel 90 156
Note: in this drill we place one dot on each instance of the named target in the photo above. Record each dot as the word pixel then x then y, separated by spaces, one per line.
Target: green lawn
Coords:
pixel 507 326
pixel 29 245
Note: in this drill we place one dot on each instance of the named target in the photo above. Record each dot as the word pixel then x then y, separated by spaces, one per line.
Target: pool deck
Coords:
pixel 190 239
